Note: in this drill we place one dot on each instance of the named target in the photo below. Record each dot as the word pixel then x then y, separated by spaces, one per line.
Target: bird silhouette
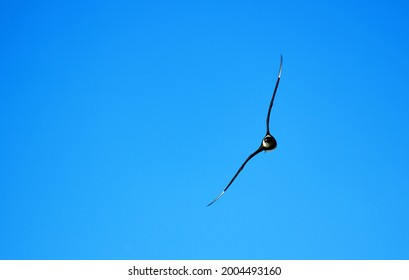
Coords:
pixel 268 143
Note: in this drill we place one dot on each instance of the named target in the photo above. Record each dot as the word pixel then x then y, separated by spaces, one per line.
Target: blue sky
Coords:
pixel 121 121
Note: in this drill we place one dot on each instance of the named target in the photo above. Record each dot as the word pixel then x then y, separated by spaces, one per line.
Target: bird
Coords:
pixel 268 143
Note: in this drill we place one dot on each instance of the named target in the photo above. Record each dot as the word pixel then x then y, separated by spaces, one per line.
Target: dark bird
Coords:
pixel 268 143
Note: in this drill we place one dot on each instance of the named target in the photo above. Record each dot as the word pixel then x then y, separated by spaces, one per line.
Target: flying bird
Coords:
pixel 268 143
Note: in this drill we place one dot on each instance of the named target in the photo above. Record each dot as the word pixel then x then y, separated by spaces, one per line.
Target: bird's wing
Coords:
pixel 237 173
pixel 274 94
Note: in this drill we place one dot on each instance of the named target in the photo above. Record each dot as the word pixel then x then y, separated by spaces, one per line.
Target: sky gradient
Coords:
pixel 121 121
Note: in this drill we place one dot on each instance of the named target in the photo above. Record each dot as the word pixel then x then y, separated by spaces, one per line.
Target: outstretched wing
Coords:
pixel 274 94
pixel 237 173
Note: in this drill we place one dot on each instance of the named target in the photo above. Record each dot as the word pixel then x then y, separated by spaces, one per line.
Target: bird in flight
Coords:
pixel 268 143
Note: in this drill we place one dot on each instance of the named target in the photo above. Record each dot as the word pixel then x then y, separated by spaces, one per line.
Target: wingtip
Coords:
pixel 281 66
pixel 214 200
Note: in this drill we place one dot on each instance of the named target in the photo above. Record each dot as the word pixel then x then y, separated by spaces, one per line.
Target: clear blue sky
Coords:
pixel 120 122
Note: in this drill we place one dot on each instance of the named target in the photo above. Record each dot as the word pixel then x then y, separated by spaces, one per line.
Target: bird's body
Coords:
pixel 268 143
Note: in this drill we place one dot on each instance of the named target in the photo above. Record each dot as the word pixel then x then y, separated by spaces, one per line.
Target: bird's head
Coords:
pixel 269 143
